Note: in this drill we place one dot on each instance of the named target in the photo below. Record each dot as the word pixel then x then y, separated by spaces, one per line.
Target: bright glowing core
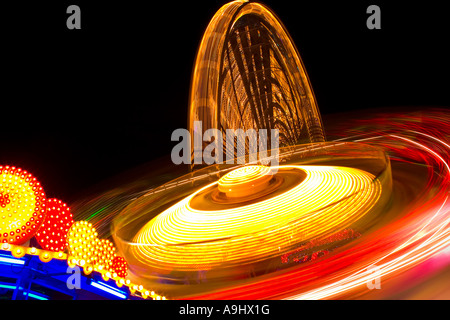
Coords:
pixel 245 181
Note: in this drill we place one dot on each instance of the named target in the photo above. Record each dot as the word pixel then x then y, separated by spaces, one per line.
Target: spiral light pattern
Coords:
pixel 245 181
pixel 329 197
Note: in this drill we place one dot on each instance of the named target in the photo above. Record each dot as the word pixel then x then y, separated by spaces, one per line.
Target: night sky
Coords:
pixel 80 106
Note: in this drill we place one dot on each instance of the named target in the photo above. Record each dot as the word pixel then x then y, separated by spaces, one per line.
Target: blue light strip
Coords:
pixel 106 288
pixel 35 296
pixel 29 294
pixel 111 287
pixel 11 260
pixel 8 286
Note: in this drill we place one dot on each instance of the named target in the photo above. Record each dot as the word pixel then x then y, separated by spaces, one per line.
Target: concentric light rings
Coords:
pixel 329 198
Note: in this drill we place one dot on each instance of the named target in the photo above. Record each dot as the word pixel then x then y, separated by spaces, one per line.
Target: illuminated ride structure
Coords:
pixel 313 226
pixel 42 250
pixel 249 75
pixel 308 228
pixel 38 277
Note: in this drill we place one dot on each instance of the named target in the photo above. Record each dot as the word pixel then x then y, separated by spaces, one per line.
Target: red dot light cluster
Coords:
pixel 52 235
pixel 119 266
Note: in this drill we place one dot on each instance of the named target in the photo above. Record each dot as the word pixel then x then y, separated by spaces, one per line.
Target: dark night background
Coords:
pixel 80 106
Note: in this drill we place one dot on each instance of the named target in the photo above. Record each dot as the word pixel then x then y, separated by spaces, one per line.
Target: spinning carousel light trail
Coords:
pixel 422 233
pixel 419 234
pixel 328 198
pixel 252 216
pixel 418 146
pixel 419 230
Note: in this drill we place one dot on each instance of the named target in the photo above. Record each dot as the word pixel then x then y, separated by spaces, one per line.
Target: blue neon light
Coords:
pixel 8 286
pixel 11 260
pixel 29 294
pixel 35 296
pixel 106 288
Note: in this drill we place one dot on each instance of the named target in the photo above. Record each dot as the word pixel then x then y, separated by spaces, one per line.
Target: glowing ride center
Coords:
pixel 224 222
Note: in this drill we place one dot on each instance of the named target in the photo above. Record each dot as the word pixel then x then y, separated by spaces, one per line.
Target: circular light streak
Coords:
pixel 245 181
pixel 328 198
pixel 22 205
pixel 416 238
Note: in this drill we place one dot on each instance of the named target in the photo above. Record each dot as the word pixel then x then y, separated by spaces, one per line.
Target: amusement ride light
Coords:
pixel 185 235
pixel 52 235
pixel 22 205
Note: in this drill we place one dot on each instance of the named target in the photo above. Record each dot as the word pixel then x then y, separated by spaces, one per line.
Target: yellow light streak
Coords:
pixel 329 198
pixel 245 181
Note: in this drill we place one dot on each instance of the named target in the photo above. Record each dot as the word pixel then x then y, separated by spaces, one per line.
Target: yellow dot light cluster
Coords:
pixel 22 205
pixel 87 249
pixel 328 198
pixel 44 255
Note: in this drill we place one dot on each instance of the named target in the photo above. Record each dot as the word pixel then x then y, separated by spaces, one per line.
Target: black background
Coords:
pixel 79 106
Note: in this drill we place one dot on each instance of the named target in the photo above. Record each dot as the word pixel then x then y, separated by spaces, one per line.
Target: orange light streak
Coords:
pixel 328 198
